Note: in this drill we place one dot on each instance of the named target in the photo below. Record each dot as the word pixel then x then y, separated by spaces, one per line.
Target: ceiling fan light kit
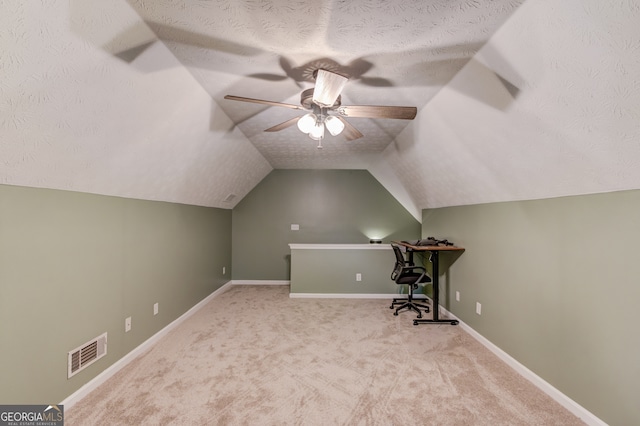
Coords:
pixel 314 125
pixel 323 103
pixel 307 122
pixel 317 132
pixel 334 125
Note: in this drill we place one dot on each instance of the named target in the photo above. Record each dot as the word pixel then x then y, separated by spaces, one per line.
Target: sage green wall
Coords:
pixel 559 288
pixel 334 270
pixel 331 206
pixel 74 265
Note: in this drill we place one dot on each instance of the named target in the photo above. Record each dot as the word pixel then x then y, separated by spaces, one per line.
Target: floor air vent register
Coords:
pixel 86 354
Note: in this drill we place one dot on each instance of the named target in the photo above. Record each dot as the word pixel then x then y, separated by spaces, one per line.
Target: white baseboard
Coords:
pixel 139 350
pixel 260 282
pixel 353 296
pixel 568 403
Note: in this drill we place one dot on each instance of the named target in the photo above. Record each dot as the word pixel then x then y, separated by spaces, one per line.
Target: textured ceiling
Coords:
pixel 394 53
pixel 515 99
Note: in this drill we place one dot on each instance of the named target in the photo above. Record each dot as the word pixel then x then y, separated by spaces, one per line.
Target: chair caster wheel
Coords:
pixel 419 316
pixel 415 322
pixel 395 313
pixel 454 322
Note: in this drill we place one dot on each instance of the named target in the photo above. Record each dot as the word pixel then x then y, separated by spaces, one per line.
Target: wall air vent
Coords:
pixel 86 354
pixel 229 198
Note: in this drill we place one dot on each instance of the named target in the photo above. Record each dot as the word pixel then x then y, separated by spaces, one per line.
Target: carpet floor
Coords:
pixel 254 356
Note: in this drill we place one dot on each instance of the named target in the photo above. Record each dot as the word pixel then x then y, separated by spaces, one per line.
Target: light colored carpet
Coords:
pixel 253 356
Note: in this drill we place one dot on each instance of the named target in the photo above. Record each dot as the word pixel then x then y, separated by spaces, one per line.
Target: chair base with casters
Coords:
pixel 404 303
pixel 405 273
pixel 409 304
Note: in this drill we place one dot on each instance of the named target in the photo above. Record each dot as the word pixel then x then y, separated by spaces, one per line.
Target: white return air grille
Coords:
pixel 86 354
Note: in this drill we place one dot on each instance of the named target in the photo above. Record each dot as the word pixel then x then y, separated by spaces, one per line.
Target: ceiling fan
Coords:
pixel 324 109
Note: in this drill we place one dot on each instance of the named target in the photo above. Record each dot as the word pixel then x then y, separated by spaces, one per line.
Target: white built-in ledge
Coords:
pixel 340 246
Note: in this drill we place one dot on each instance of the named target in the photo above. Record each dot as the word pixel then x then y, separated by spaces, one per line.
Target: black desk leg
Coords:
pixel 435 261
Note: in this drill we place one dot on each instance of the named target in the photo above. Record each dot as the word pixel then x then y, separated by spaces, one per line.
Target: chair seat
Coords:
pixel 411 278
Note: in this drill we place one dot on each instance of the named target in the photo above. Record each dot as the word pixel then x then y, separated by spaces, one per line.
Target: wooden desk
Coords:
pixel 435 257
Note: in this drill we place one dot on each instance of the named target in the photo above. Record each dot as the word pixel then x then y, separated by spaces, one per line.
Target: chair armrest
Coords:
pixel 420 269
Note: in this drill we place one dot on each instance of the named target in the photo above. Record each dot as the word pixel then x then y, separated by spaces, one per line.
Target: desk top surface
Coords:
pixel 429 248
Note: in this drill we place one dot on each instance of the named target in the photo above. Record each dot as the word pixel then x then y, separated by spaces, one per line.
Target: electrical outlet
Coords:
pixel 478 308
pixel 155 309
pixel 295 227
pixel 224 270
pixel 127 324
pixel 457 296
pixel 358 277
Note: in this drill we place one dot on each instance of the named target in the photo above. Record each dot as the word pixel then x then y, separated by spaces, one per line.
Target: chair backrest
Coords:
pixel 400 262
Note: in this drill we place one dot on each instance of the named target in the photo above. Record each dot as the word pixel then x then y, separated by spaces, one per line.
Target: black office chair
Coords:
pixel 405 273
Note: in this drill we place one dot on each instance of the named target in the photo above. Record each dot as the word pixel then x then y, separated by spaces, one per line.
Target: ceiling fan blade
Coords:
pixel 374 111
pixel 283 125
pixel 350 132
pixel 328 87
pixel 260 101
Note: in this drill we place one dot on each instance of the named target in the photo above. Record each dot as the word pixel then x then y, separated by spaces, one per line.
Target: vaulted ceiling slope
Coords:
pixel 516 99
pixel 567 124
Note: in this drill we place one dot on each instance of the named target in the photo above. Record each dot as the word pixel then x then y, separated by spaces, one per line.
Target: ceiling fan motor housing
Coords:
pixel 306 99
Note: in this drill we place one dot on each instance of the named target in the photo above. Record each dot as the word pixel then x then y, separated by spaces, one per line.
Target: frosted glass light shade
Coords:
pixel 317 132
pixel 328 88
pixel 334 125
pixel 307 123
